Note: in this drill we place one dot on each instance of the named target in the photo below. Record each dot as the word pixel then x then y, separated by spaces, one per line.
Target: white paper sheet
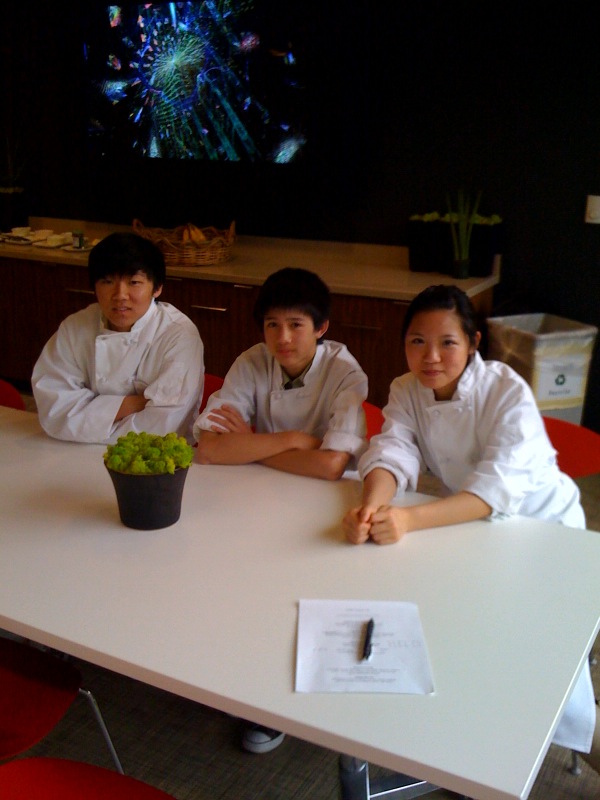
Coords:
pixel 331 636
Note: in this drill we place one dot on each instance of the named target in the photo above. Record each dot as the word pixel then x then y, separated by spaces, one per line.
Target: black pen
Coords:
pixel 368 645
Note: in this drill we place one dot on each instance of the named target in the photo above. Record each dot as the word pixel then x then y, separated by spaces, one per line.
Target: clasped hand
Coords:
pixel 384 525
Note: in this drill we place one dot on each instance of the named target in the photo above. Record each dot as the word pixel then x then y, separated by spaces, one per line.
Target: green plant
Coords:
pixel 462 217
pixel 148 454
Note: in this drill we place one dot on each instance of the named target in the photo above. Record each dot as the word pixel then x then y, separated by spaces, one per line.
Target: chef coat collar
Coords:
pixel 136 327
pixel 468 380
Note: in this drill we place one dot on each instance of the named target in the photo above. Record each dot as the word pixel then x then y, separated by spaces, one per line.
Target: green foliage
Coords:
pixel 148 454
pixel 462 218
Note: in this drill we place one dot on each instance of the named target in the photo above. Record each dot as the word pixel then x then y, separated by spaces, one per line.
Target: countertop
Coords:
pixel 366 270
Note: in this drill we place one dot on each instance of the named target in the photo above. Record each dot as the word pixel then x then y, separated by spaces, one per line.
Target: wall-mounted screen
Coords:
pixel 203 80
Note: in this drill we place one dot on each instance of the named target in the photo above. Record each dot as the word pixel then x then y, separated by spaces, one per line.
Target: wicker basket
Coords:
pixel 189 246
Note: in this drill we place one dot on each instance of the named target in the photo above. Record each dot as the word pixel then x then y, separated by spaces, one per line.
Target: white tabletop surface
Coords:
pixel 208 607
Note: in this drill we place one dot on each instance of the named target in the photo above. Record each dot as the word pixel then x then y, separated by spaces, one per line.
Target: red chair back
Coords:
pixel 10 397
pixel 60 779
pixel 578 448
pixel 36 690
pixel 212 383
pixel 374 417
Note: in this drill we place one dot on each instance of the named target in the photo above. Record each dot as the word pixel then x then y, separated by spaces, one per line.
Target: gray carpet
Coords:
pixel 194 752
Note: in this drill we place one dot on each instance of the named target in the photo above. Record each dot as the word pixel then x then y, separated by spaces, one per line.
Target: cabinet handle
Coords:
pixel 80 291
pixel 209 308
pixel 242 286
pixel 358 326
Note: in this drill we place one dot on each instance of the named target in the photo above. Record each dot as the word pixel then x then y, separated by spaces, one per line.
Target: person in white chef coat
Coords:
pixel 475 425
pixel 292 403
pixel 128 362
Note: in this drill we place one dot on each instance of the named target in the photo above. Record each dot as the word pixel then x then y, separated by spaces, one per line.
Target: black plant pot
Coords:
pixel 486 242
pixel 148 502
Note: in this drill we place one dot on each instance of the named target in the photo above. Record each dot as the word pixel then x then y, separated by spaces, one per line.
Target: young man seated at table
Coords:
pixel 293 402
pixel 125 363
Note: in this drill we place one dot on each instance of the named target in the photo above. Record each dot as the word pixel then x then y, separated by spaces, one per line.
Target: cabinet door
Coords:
pixel 70 290
pixel 369 327
pixel 223 314
pixel 19 308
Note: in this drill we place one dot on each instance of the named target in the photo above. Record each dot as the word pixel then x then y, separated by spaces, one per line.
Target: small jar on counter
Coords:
pixel 78 239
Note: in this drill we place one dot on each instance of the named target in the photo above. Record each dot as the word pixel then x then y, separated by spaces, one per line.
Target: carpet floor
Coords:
pixel 194 752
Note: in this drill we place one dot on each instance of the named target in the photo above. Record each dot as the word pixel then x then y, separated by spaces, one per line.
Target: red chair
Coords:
pixel 9 396
pixel 59 779
pixel 578 455
pixel 578 448
pixel 374 417
pixel 212 383
pixel 36 690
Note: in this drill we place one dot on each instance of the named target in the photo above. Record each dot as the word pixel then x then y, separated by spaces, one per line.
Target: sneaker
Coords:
pixel 258 739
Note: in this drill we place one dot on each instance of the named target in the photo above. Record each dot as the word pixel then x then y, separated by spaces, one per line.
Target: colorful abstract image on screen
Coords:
pixel 217 80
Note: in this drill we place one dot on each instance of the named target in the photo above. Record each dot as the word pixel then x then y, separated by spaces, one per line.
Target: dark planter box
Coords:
pixel 430 247
pixel 486 242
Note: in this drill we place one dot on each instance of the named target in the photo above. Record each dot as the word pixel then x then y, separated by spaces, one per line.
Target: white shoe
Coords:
pixel 258 739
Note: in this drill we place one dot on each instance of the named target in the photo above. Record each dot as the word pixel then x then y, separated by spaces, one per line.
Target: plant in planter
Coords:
pixel 461 219
pixel 461 243
pixel 148 472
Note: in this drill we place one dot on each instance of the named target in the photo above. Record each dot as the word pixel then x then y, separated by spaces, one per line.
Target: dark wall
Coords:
pixel 407 102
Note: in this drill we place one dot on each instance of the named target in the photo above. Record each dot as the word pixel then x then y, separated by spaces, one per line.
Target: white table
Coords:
pixel 208 607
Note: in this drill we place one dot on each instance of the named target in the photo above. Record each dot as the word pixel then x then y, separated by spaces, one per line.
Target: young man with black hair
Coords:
pixel 125 363
pixel 293 402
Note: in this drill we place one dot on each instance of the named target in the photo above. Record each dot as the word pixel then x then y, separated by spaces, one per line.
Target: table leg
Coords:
pixel 356 785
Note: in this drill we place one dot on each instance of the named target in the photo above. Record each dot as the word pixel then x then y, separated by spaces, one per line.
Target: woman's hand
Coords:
pixel 389 524
pixel 384 525
pixel 357 524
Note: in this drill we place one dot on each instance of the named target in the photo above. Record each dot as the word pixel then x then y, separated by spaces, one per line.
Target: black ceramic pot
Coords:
pixel 148 502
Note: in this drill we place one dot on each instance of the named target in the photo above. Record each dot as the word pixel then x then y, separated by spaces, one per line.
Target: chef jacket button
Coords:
pixel 436 413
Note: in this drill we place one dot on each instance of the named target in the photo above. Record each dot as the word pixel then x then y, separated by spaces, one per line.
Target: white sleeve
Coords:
pixel 238 390
pixel 346 431
pixel 395 448
pixel 61 388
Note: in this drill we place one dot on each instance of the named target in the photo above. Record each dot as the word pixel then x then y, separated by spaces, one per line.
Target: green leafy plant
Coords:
pixel 148 454
pixel 462 217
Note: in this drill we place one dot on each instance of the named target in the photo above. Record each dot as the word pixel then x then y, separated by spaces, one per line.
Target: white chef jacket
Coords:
pixel 490 440
pixel 328 406
pixel 85 370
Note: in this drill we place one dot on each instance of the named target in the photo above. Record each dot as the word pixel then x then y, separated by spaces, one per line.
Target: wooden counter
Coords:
pixel 371 287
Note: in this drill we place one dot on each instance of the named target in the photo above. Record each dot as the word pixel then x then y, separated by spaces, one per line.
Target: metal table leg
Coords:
pixel 355 783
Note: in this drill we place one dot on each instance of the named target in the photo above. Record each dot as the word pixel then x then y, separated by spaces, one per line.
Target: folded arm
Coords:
pixel 326 464
pixel 232 441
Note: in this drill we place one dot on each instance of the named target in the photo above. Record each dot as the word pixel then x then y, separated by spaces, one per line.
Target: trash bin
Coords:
pixel 553 354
